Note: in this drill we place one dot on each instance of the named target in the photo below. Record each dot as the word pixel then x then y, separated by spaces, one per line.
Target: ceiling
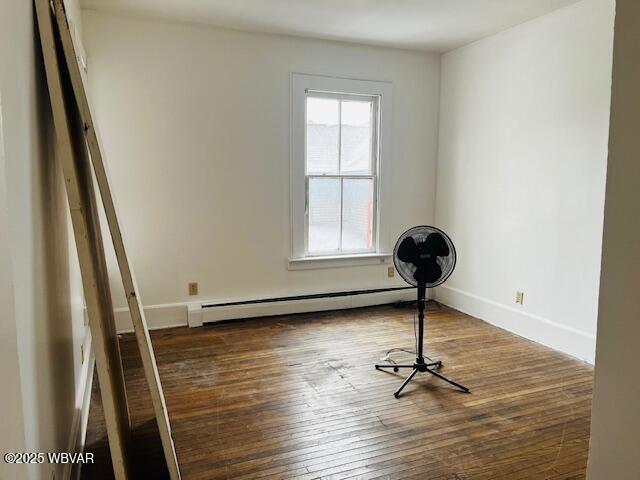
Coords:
pixel 436 25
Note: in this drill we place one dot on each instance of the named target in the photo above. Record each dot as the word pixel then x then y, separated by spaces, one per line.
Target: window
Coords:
pixel 337 158
pixel 341 156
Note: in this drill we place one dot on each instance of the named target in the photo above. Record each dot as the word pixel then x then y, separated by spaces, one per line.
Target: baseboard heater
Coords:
pixel 265 307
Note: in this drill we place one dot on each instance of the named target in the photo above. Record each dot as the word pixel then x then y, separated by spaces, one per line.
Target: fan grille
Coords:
pixel 419 234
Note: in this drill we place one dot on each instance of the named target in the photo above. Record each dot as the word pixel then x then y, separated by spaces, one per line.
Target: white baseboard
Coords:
pixel 158 316
pixel 78 433
pixel 192 314
pixel 197 315
pixel 560 337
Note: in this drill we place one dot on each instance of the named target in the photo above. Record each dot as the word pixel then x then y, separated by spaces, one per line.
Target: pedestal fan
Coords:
pixel 424 257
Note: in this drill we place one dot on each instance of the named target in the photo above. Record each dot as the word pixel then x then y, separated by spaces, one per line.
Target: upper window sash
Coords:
pixel 374 122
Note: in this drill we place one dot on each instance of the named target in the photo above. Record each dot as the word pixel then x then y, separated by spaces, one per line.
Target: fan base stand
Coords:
pixel 420 366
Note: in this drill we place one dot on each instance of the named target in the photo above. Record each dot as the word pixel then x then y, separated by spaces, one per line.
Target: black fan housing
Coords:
pixel 425 256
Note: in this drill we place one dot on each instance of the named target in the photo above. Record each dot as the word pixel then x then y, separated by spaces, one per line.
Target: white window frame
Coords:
pixel 301 84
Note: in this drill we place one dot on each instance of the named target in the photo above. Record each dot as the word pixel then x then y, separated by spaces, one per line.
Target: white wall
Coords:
pixel 521 172
pixel 41 293
pixel 195 125
pixel 12 419
pixel 615 421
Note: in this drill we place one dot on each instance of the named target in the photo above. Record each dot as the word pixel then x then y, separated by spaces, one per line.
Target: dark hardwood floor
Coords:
pixel 298 397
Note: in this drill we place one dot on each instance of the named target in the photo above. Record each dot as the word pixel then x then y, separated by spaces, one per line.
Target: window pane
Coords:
pixel 324 214
pixel 357 214
pixel 356 137
pixel 322 135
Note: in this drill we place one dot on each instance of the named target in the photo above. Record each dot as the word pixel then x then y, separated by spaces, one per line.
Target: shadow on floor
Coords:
pixel 147 462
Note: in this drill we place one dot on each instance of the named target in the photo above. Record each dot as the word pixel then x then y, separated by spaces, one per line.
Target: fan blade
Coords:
pixel 435 244
pixel 428 272
pixel 408 250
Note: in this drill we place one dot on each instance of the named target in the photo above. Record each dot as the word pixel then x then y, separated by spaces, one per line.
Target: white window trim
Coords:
pixel 338 261
pixel 300 84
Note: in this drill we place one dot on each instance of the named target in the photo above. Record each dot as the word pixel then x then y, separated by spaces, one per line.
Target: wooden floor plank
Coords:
pixel 297 397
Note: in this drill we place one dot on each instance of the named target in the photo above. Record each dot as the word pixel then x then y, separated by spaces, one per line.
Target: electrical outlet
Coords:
pixel 520 298
pixel 193 288
pixel 391 272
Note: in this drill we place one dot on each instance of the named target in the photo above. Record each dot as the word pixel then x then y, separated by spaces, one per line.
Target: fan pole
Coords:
pixel 420 365
pixel 422 293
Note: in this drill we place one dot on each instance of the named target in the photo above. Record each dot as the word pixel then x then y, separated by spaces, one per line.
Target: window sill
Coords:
pixel 339 261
